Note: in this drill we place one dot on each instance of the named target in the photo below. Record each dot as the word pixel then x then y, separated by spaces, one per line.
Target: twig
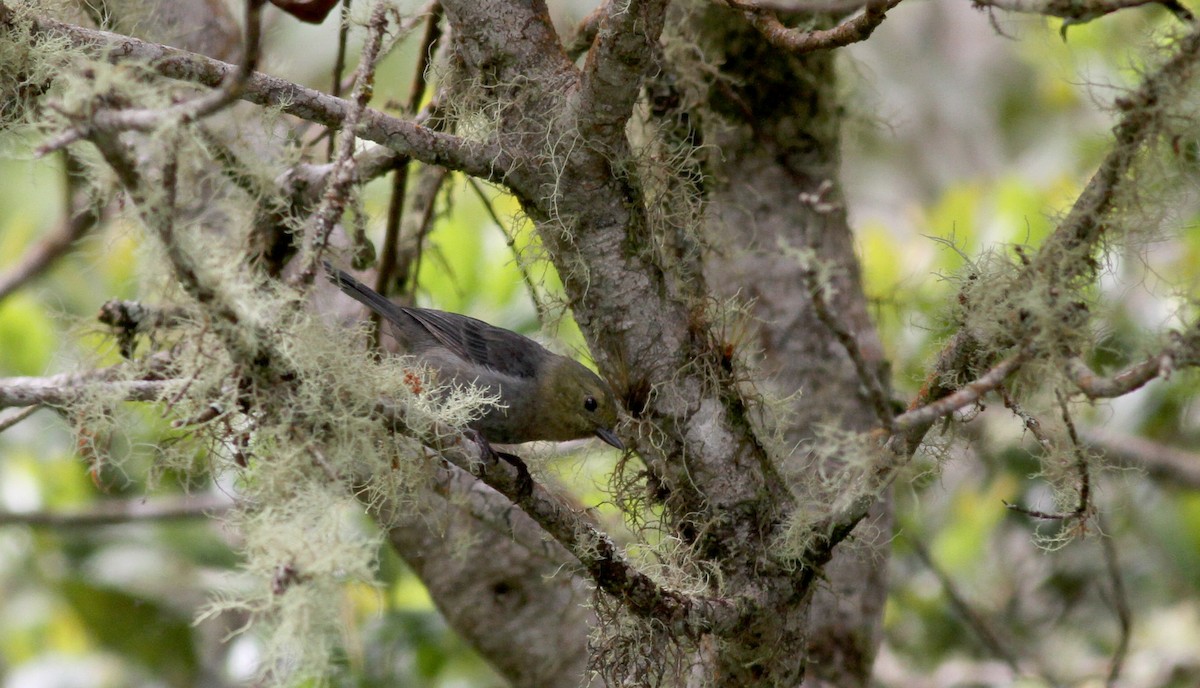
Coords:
pixel 391 234
pixel 57 390
pixel 973 620
pixel 417 224
pixel 1121 602
pixel 231 90
pixel 967 394
pixel 853 30
pixel 10 419
pixel 339 63
pixel 337 188
pixel 1095 386
pixel 481 159
pixel 1032 424
pixel 511 242
pixel 1084 508
pixel 80 219
pixel 429 42
pixel 391 237
pixel 870 379
pixel 113 512
pixel 1081 462
pixel 1080 10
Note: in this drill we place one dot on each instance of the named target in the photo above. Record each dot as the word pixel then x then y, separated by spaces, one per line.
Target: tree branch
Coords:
pixel 1080 10
pixel 341 177
pixel 79 221
pixel 194 110
pixel 921 418
pixel 778 34
pixel 621 55
pixel 57 390
pixel 480 159
pixel 108 512
pixel 611 572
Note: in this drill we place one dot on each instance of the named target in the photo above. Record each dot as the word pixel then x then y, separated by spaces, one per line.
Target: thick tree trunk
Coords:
pixel 776 188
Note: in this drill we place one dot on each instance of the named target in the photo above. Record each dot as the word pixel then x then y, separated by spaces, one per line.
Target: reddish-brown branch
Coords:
pixel 857 28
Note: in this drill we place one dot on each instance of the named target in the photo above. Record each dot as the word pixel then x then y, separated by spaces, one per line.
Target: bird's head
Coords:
pixel 576 403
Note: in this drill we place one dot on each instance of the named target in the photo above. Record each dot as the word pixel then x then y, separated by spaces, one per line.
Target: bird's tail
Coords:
pixel 363 294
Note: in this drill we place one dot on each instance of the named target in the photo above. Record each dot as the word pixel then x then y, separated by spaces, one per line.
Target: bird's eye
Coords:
pixel 590 403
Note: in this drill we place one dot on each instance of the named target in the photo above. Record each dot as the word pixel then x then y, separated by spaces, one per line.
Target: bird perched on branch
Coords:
pixel 543 396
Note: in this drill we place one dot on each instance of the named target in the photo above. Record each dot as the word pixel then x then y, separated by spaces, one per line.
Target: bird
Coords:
pixel 542 395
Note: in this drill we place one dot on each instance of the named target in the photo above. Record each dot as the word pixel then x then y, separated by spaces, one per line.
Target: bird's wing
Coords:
pixel 471 340
pixel 480 343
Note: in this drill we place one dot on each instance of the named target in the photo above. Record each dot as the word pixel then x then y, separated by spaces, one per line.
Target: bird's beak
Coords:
pixel 610 437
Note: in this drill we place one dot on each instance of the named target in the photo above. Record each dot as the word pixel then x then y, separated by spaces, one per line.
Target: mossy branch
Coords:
pixel 621 55
pixel 62 389
pixel 595 550
pixel 480 159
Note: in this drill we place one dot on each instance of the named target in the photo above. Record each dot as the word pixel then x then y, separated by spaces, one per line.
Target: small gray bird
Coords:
pixel 543 396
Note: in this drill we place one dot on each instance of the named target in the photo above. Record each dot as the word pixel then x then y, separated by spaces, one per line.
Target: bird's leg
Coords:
pixel 524 479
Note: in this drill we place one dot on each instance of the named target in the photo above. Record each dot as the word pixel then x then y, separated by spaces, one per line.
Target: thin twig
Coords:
pixel 1083 509
pixel 876 390
pixel 80 218
pixel 1032 424
pixel 114 512
pixel 511 241
pixel 391 237
pixel 418 222
pixel 10 419
pixel 337 189
pixel 429 43
pixel 391 234
pixel 1080 10
pixel 1121 602
pixel 145 120
pixel 1081 461
pixel 339 64
pixel 982 630
pixel 965 395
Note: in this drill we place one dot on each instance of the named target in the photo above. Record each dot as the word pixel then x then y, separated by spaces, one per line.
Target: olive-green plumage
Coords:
pixel 543 396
